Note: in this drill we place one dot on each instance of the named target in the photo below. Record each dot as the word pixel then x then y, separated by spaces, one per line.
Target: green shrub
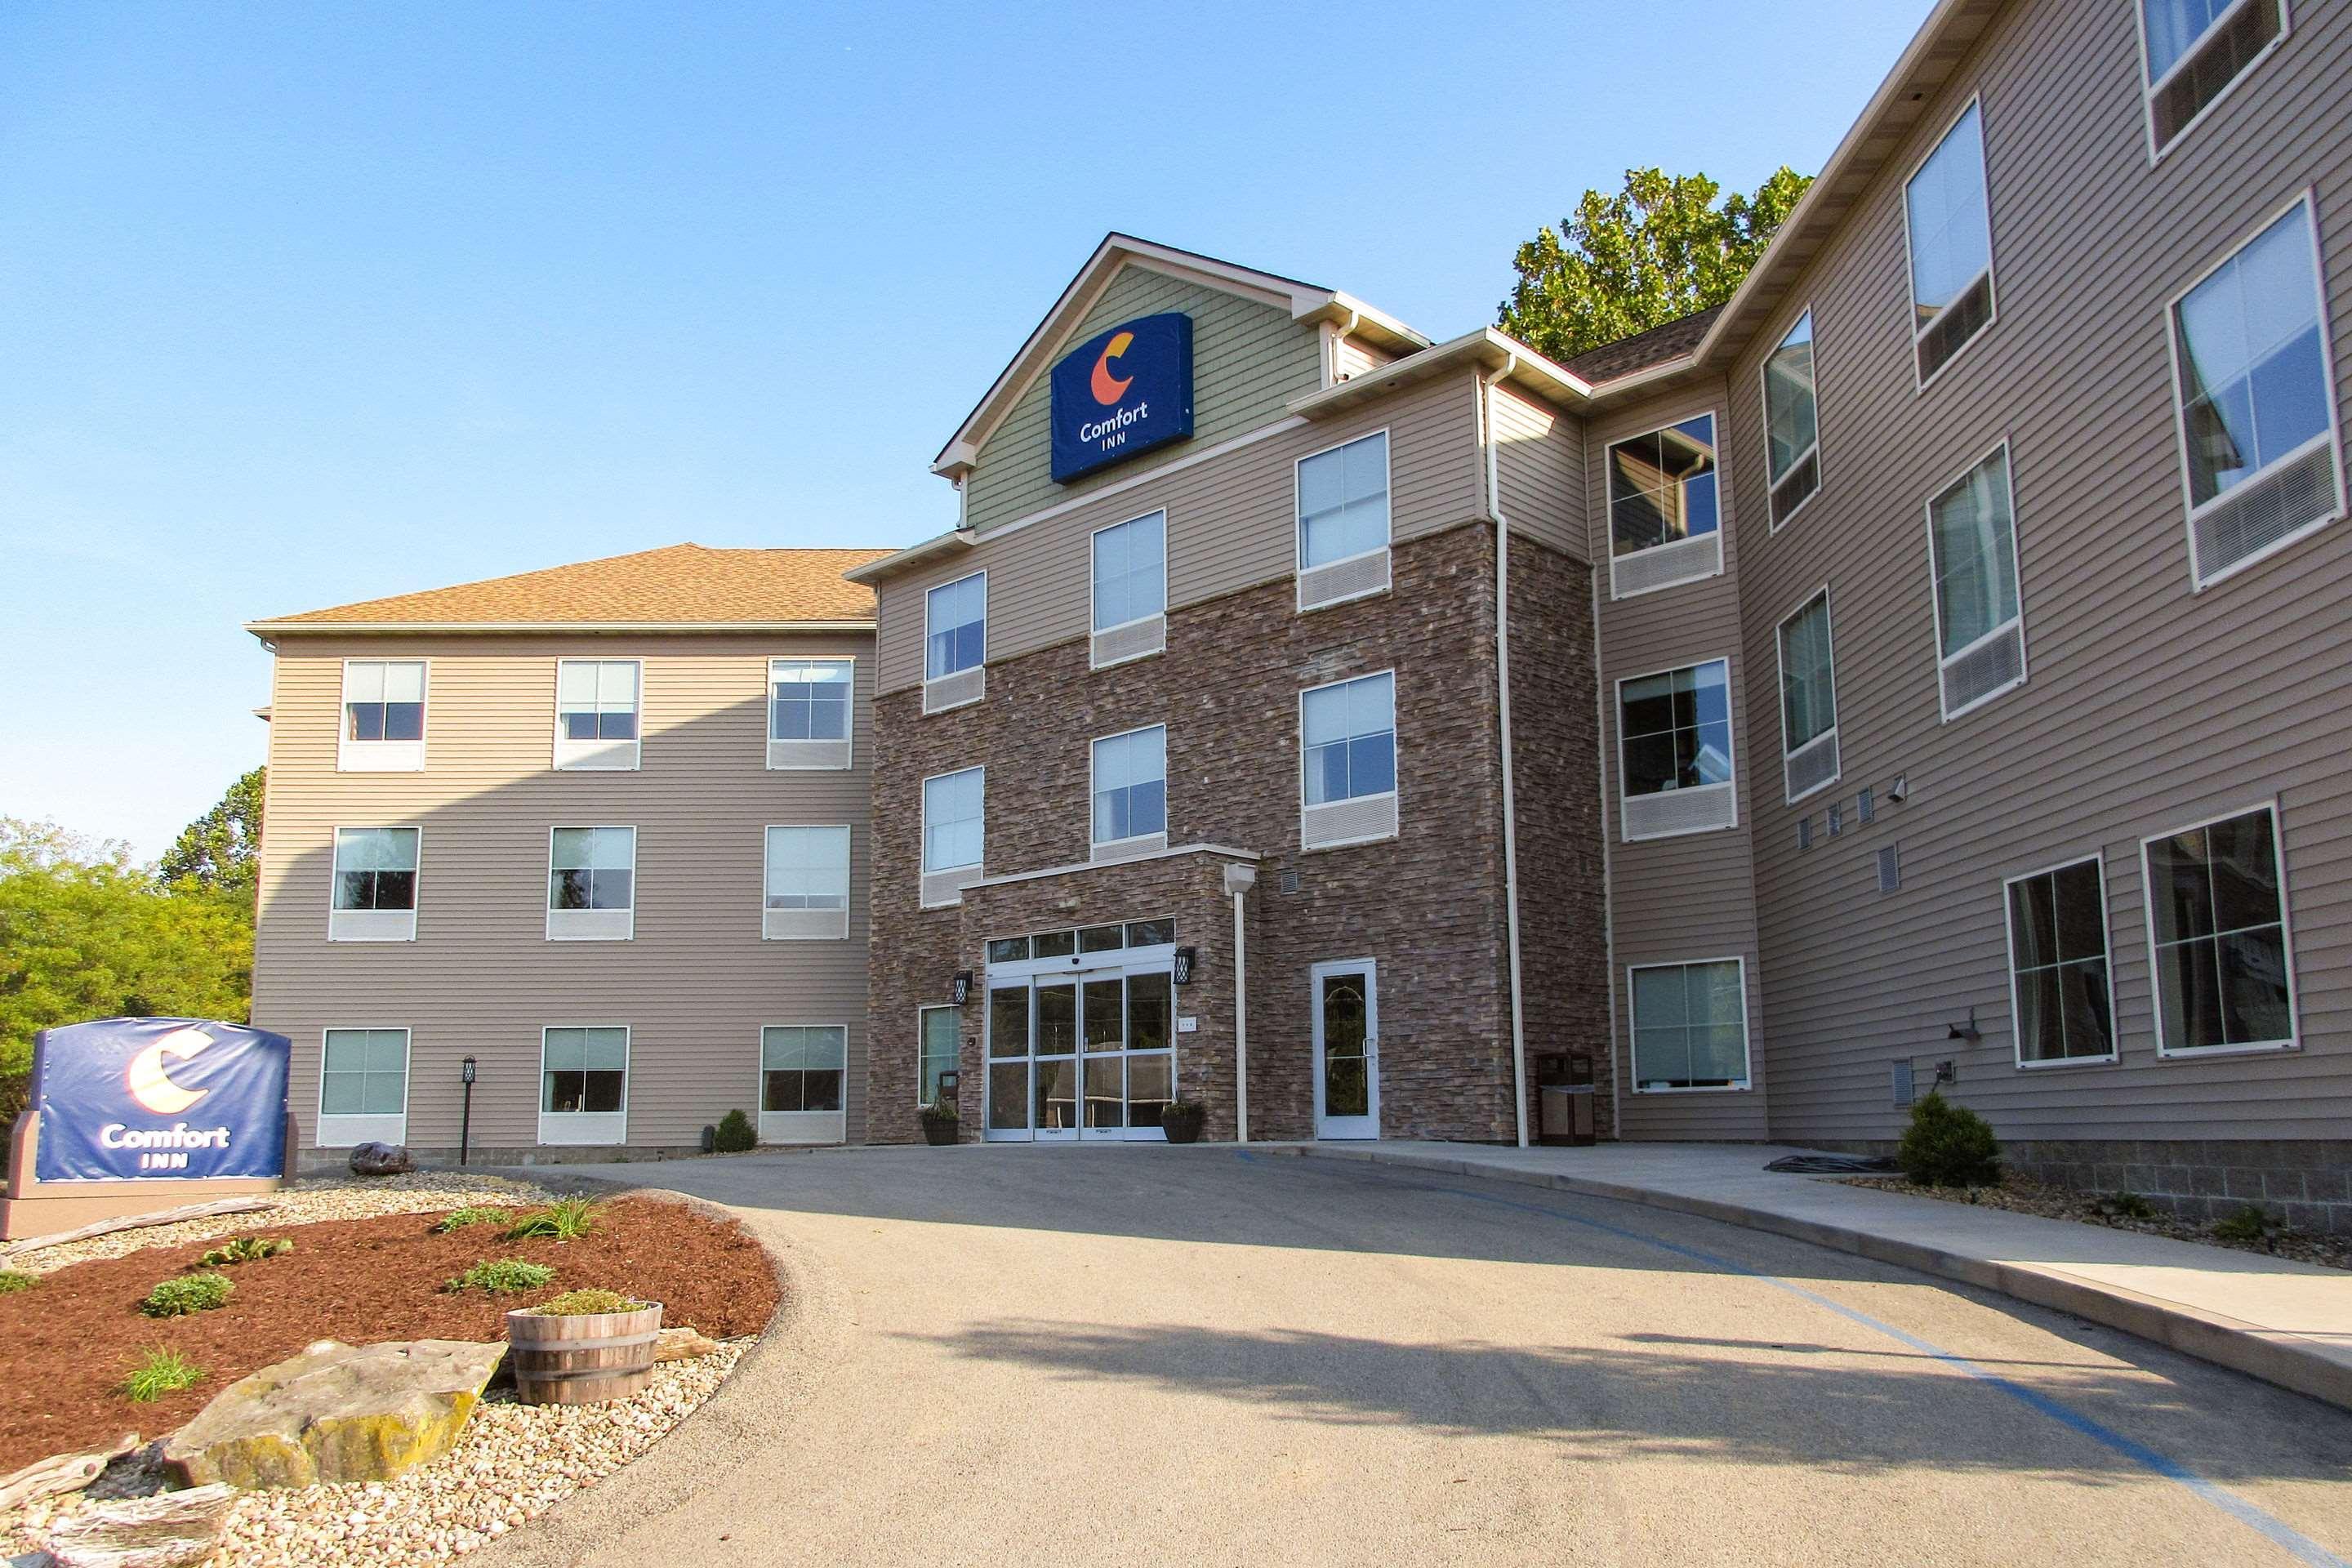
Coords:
pixel 11 1281
pixel 736 1134
pixel 939 1110
pixel 187 1294
pixel 566 1220
pixel 1948 1145
pixel 158 1371
pixel 2251 1223
pixel 580 1303
pixel 474 1214
pixel 503 1277
pixel 15 1093
pixel 245 1249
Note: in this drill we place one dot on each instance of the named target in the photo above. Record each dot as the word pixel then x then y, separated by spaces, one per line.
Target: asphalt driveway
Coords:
pixel 1008 1355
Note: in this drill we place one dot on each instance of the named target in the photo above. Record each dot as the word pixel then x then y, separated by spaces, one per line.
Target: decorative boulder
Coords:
pixel 381 1160
pixel 335 1413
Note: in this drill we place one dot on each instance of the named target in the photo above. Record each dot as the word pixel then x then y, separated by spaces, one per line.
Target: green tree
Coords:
pixel 1656 251
pixel 221 850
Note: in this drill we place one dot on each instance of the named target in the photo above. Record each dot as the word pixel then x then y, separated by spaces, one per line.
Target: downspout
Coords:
pixel 1239 881
pixel 1503 695
pixel 1608 875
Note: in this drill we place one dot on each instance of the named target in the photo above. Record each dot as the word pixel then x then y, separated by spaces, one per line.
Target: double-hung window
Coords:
pixel 2060 994
pixel 2217 930
pixel 591 876
pixel 1673 732
pixel 1130 793
pixel 1947 228
pixel 1343 522
pixel 1808 727
pixel 1972 555
pixel 1792 446
pixel 2196 51
pixel 801 1067
pixel 955 643
pixel 939 1040
pixel 2257 395
pixel 809 711
pixel 596 714
pixel 1663 510
pixel 583 1085
pixel 363 1088
pixel 955 834
pixel 1130 590
pixel 375 885
pixel 807 884
pixel 1690 1026
pixel 383 716
pixel 1348 761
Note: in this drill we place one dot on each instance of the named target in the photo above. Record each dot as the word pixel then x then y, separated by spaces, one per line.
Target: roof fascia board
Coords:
pixel 1485 347
pixel 939 543
pixel 445 628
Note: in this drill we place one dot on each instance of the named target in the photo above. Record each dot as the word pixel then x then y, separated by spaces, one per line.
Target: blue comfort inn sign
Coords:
pixel 185 1098
pixel 1122 393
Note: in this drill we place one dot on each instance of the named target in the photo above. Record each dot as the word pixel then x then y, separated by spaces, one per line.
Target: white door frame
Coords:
pixel 1369 1124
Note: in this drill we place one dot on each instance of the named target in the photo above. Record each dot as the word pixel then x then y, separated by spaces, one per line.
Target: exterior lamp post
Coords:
pixel 465 1116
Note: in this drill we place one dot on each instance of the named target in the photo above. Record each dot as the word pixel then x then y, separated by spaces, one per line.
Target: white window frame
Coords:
pixel 372 925
pixel 565 925
pixel 2293 1041
pixel 807 925
pixel 587 1129
pixel 1992 261
pixel 1732 729
pixel 2149 90
pixel 382 756
pixel 942 693
pixel 1747 1026
pixel 1716 416
pixel 1764 406
pixel 2107 937
pixel 346 1131
pixel 943 880
pixel 2308 199
pixel 2016 571
pixel 1394 797
pixel 798 1126
pixel 1105 647
pixel 1828 737
pixel 956 1064
pixel 1299 569
pixel 811 755
pixel 599 756
pixel 1137 843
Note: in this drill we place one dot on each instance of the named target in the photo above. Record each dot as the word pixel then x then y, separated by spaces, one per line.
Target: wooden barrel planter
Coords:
pixel 582 1360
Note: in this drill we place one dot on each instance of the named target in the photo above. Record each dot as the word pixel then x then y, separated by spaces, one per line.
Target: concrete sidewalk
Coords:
pixel 2288 1324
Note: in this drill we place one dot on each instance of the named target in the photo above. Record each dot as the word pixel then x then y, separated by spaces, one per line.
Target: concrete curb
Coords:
pixel 2292 1362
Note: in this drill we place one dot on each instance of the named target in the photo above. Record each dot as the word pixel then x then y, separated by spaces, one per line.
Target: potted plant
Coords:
pixel 582 1347
pixel 1182 1119
pixel 940 1122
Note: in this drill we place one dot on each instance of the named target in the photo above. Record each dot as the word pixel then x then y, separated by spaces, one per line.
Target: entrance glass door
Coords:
pixel 1346 1050
pixel 1084 1056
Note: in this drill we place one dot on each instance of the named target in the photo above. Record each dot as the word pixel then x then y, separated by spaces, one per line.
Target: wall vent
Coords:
pixel 1865 806
pixel 1290 880
pixel 1837 818
pixel 2254 517
pixel 1664 565
pixel 1804 833
pixel 1905 1091
pixel 1890 870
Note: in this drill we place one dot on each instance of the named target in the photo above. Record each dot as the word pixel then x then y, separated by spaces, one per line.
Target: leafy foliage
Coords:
pixel 1656 251
pixel 1948 1145
pixel 939 1110
pixel 566 1220
pixel 474 1214
pixel 245 1249
pixel 188 1294
pixel 582 1303
pixel 161 1371
pixel 735 1134
pixel 221 850
pixel 2251 1224
pixel 12 1281
pixel 2123 1205
pixel 503 1276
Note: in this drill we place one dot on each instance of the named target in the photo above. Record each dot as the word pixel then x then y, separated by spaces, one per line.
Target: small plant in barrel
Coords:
pixel 502 1277
pixel 1181 1120
pixel 940 1122
pixel 582 1347
pixel 187 1295
pixel 566 1220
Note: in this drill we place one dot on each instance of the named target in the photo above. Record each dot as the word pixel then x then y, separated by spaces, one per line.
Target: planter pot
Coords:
pixel 1180 1127
pixel 938 1133
pixel 582 1360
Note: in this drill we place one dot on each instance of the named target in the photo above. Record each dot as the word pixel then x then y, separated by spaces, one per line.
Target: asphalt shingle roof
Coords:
pixel 1643 350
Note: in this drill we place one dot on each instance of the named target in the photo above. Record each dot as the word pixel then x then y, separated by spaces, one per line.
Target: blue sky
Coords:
pixel 306 304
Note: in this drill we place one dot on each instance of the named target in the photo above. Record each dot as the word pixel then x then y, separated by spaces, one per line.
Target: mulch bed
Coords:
pixel 66 1345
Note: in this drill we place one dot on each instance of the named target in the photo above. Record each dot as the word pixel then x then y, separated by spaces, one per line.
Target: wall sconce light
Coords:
pixel 962 989
pixel 1185 958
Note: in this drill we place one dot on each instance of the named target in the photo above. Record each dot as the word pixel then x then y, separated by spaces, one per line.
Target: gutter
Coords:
pixel 1503 692
pixel 269 629
pixel 957 538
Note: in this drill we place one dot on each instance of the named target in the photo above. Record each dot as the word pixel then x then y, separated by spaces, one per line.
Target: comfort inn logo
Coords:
pixel 1122 393
pixel 152 1087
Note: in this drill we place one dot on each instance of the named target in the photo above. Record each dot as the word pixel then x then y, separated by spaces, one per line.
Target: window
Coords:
pixel 1948 226
pixel 2197 50
pixel 363 1088
pixel 2059 994
pixel 1343 522
pixel 591 876
pixel 955 642
pixel 1348 746
pixel 1972 555
pixel 374 895
pixel 1661 497
pixel 954 833
pixel 801 1071
pixel 1791 434
pixel 1809 742
pixel 940 1031
pixel 1674 731
pixel 807 884
pixel 596 714
pixel 2257 401
pixel 383 716
pixel 1690 1026
pixel 583 1085
pixel 2217 926
pixel 1130 790
pixel 809 712
pixel 1130 589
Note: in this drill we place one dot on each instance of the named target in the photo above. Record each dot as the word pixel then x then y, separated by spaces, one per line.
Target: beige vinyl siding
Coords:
pixel 1355 357
pixel 1539 466
pixel 2147 707
pixel 1675 900
pixel 1231 524
pixel 1249 358
pixel 696 982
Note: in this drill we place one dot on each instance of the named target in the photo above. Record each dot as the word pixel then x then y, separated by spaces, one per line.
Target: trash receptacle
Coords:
pixel 1564 1107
